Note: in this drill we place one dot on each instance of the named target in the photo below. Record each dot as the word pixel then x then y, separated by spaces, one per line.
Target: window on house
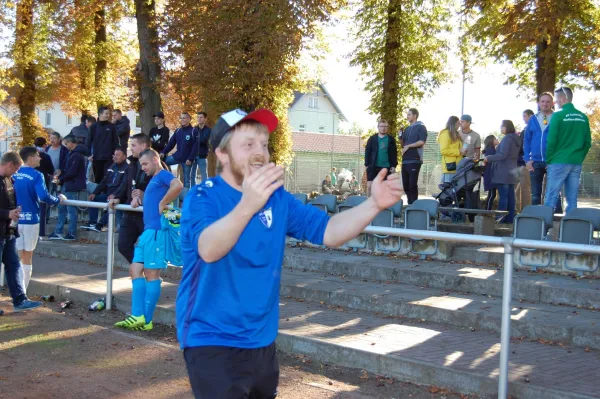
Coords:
pixel 321 129
pixel 48 118
pixel 302 128
pixel 69 120
pixel 313 102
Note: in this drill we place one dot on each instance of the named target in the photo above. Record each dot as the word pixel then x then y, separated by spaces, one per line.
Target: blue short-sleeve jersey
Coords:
pixel 155 192
pixel 235 300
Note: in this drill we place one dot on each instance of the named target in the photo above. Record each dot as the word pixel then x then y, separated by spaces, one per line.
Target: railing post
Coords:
pixel 506 311
pixel 110 257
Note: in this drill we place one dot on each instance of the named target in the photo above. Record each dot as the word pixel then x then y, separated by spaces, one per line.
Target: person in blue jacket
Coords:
pixel 202 136
pixel 184 155
pixel 72 182
pixel 233 232
pixel 30 187
pixel 534 148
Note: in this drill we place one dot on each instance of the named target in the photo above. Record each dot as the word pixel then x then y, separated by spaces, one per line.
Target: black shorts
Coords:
pixel 221 372
pixel 373 171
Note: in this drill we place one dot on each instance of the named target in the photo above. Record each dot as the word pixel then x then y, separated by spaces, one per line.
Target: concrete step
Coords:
pixel 421 352
pixel 479 254
pixel 533 321
pixel 471 277
pixel 468 228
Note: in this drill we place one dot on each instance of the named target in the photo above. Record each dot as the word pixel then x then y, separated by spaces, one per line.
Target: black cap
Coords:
pixel 229 119
pixel 159 115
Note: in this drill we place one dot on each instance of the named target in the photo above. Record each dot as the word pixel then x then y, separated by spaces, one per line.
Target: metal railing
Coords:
pixel 508 243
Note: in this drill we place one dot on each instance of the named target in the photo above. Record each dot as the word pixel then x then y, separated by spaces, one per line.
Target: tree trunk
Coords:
pixel 546 54
pixel 389 102
pixel 102 97
pixel 26 96
pixel 149 69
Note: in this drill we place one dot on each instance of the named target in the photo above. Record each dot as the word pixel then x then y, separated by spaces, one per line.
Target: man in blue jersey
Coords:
pixel 233 233
pixel 149 254
pixel 30 187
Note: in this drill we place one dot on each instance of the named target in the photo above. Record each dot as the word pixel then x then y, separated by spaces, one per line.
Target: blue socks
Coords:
pixel 137 296
pixel 152 295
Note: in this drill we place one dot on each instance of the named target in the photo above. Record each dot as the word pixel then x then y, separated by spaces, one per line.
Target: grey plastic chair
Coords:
pixel 397 209
pixel 326 202
pixel 351 202
pixel 422 215
pixel 301 197
pixel 578 227
pixel 533 223
pixel 385 218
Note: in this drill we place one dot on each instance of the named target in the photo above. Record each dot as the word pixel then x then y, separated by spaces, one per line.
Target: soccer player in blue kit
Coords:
pixel 233 233
pixel 149 256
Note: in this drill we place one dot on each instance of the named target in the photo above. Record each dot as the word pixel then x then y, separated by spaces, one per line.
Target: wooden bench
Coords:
pixel 485 221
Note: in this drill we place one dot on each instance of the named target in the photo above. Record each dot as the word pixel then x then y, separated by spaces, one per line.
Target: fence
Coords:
pixel 509 245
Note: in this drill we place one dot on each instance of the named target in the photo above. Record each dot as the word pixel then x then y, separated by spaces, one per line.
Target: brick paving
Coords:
pixel 477 352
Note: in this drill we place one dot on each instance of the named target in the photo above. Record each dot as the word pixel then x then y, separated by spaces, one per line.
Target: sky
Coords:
pixel 487 99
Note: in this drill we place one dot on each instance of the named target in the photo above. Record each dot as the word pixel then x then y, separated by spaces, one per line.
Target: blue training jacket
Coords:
pixel 534 143
pixel 186 143
pixel 30 187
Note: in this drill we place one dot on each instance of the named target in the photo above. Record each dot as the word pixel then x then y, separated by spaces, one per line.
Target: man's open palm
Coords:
pixel 388 192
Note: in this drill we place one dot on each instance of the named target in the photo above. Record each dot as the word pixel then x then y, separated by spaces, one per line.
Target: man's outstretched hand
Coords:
pixel 388 192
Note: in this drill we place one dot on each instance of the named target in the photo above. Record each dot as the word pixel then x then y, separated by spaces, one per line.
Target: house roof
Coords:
pixel 298 95
pixel 320 142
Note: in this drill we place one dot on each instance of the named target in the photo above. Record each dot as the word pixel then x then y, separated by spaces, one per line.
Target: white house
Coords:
pixel 315 112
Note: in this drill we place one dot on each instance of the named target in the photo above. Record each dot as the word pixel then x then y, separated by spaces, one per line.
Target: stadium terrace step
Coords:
pixel 411 350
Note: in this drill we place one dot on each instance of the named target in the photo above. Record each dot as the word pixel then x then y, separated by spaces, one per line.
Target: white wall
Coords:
pixel 323 119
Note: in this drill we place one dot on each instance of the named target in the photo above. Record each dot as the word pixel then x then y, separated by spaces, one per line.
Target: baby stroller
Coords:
pixel 463 190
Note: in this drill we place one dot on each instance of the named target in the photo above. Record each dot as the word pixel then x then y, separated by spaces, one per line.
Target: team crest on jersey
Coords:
pixel 208 183
pixel 266 217
pixel 187 137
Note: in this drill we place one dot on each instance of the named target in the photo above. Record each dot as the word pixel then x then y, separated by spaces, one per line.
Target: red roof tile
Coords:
pixel 321 142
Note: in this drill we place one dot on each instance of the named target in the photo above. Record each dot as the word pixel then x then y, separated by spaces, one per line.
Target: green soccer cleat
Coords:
pixel 132 322
pixel 145 327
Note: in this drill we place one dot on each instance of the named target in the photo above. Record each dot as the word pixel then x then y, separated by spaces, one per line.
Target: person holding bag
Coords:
pixel 451 148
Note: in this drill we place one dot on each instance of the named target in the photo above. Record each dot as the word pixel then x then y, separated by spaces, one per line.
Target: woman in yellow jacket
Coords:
pixel 451 148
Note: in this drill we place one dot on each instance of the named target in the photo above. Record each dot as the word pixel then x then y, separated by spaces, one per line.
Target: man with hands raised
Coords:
pixel 233 233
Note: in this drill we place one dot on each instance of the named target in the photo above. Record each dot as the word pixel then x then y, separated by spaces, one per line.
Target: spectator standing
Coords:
pixel 123 126
pixel 505 170
pixel 30 187
pixel 184 155
pixel 413 139
pixel 333 176
pixel 380 153
pixel 9 217
pixel 90 121
pixel 471 139
pixel 523 192
pixel 105 191
pixel 569 141
pixel 102 143
pixel 72 182
pixel 58 153
pixel 202 137
pixel 489 148
pixel 46 168
pixel 82 131
pixel 450 148
pixel 534 149
pixel 159 135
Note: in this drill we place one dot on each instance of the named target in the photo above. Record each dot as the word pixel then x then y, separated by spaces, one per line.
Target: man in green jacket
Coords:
pixel 569 141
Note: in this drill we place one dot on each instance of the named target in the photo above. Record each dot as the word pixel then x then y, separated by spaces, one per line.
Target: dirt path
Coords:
pixel 77 354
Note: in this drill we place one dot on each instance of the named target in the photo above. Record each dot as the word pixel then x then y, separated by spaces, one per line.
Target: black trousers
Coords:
pixel 220 372
pixel 100 166
pixel 410 179
pixel 132 227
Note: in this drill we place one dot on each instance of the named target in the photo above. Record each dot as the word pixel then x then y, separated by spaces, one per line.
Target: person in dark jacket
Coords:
pixel 58 153
pixel 413 139
pixel 380 153
pixel 184 156
pixel 46 168
pixel 505 169
pixel 9 217
pixel 105 191
pixel 123 126
pixel 159 135
pixel 72 182
pixel 82 131
pixel 102 143
pixel 489 148
pixel 202 136
pixel 132 188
